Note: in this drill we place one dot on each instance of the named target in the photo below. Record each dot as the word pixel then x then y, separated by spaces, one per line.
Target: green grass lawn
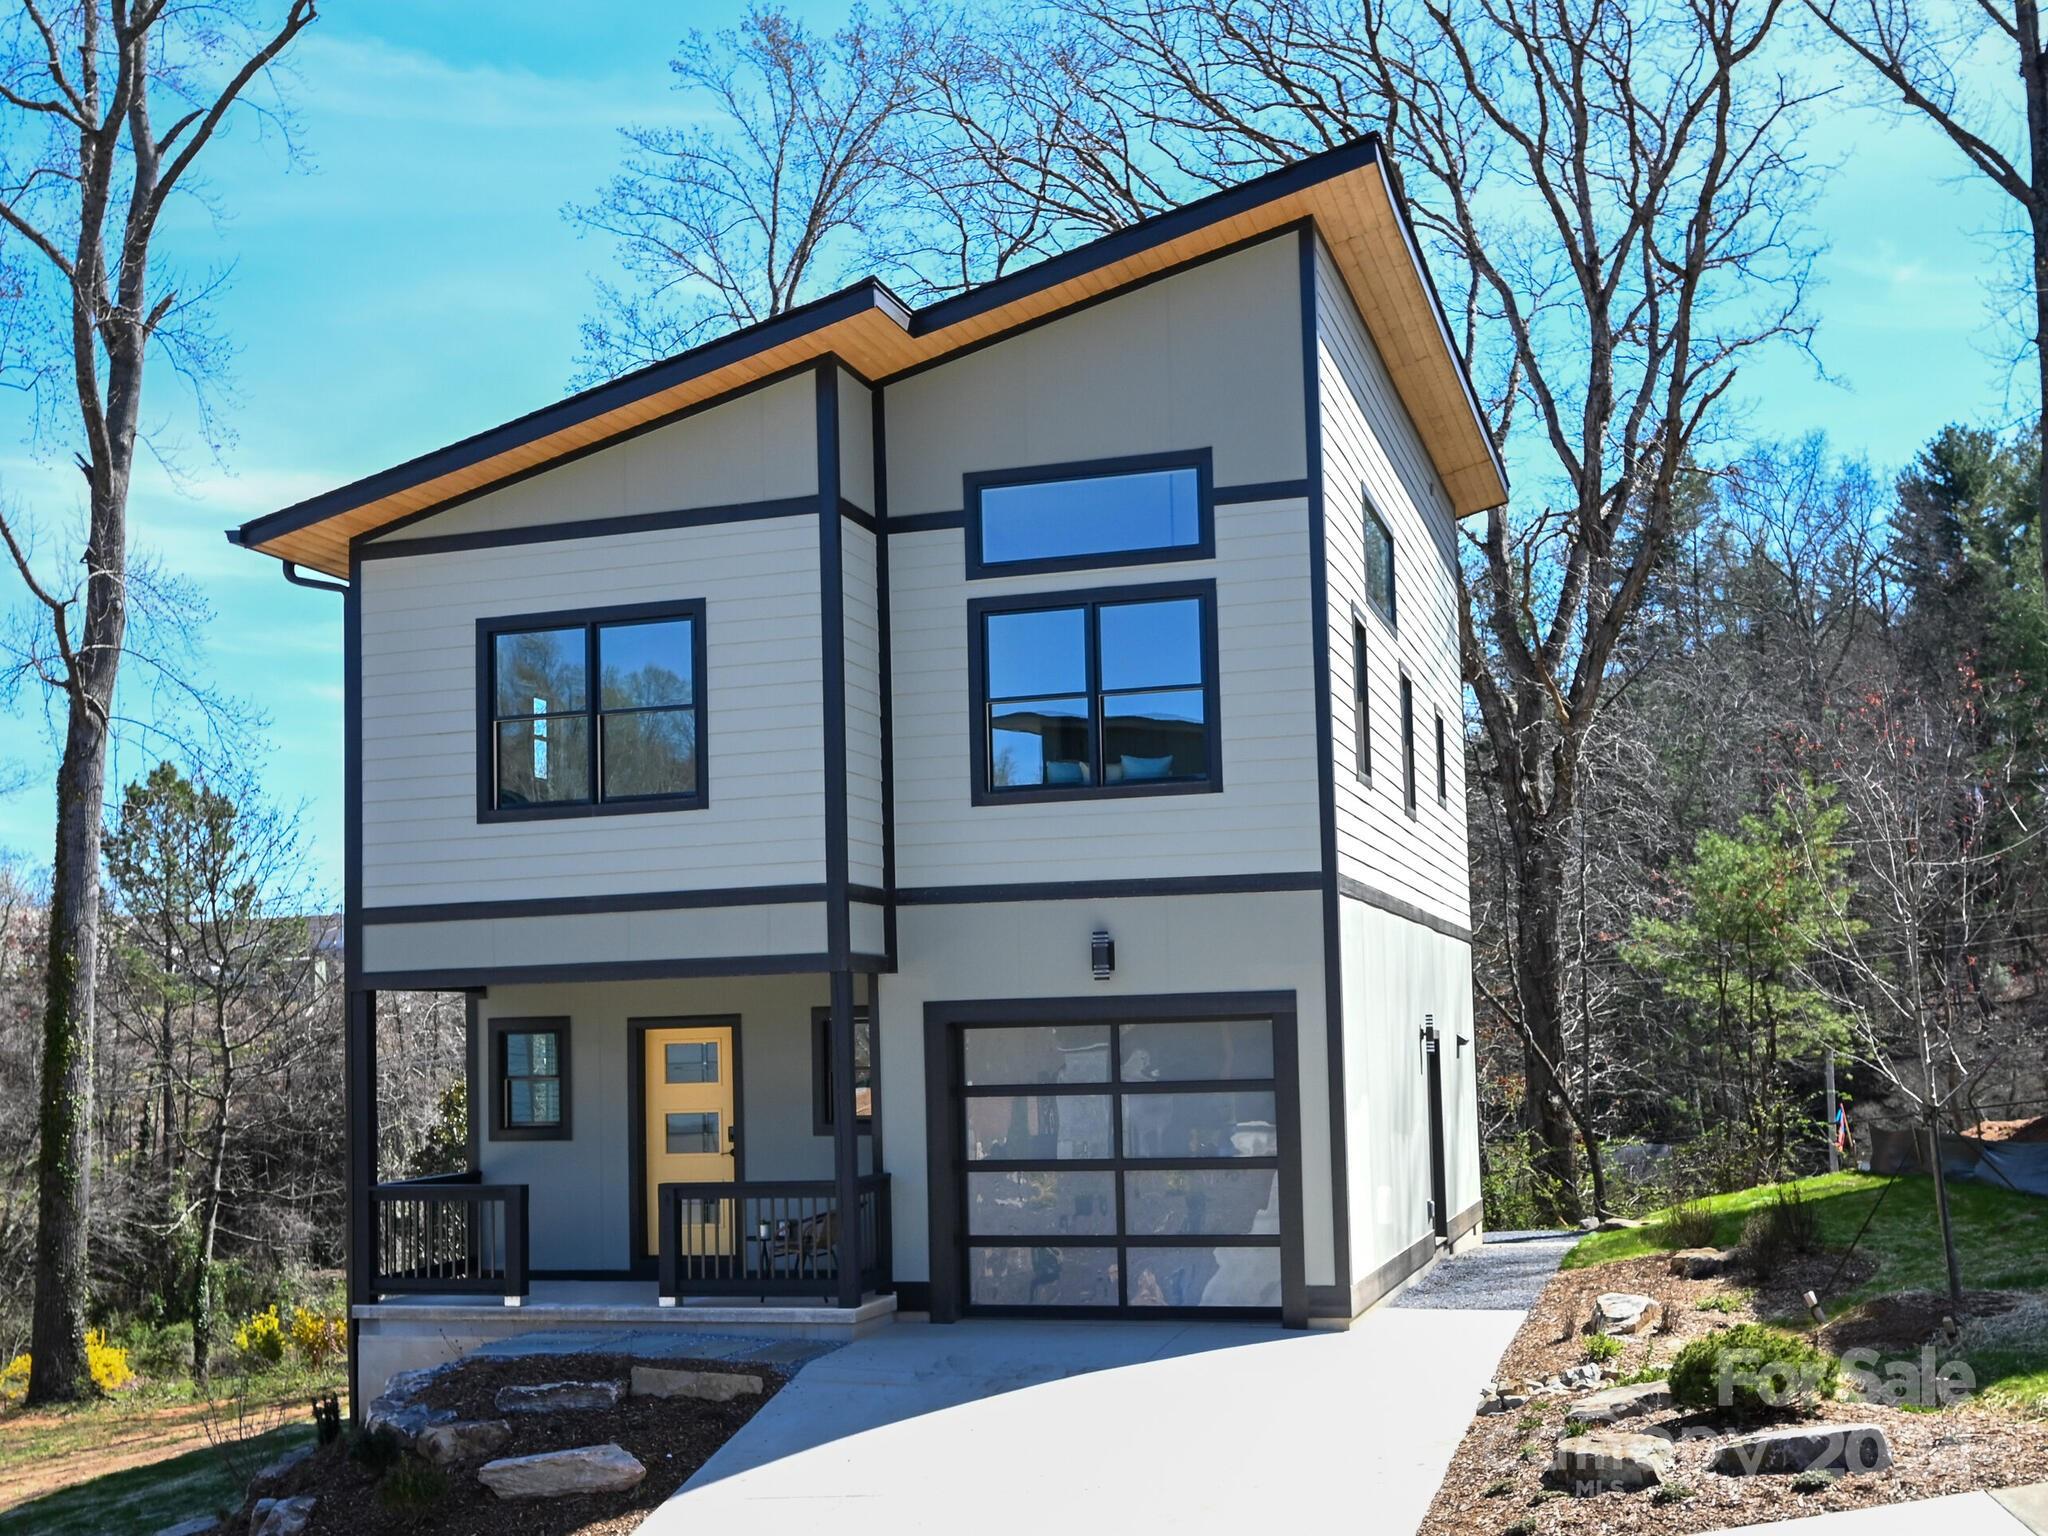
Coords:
pixel 142 1500
pixel 2001 1238
pixel 153 1407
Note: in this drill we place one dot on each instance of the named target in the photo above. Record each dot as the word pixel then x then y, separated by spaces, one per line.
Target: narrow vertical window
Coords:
pixel 1379 563
pixel 1361 701
pixel 1443 776
pixel 1408 744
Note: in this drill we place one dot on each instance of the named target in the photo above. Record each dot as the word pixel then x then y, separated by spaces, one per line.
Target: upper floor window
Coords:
pixel 1069 517
pixel 591 712
pixel 1379 563
pixel 1089 693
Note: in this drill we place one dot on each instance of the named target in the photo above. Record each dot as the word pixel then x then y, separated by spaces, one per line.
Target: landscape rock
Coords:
pixel 1616 1403
pixel 281 1517
pixel 1610 1458
pixel 1618 1312
pixel 277 1471
pixel 1580 1378
pixel 463 1440
pixel 1844 1448
pixel 1698 1263
pixel 1612 1224
pixel 710 1386
pixel 561 1397
pixel 198 1525
pixel 398 1410
pixel 557 1474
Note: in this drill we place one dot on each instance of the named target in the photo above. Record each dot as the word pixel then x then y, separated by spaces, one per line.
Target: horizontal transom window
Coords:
pixel 589 711
pixel 1096 693
pixel 1074 516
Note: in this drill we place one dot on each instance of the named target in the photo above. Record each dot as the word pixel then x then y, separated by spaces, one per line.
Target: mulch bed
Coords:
pixel 1953 1451
pixel 672 1437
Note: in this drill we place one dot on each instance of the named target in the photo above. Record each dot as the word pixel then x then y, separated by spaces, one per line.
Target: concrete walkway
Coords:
pixel 2009 1512
pixel 1119 1427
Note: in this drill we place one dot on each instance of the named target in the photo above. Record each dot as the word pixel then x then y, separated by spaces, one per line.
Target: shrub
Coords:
pixel 327 1419
pixel 318 1338
pixel 1784 1228
pixel 1752 1369
pixel 1670 1493
pixel 1499 1488
pixel 1602 1346
pixel 108 1364
pixel 261 1338
pixel 1814 1481
pixel 1689 1225
pixel 1722 1301
pixel 412 1483
pixel 376 1451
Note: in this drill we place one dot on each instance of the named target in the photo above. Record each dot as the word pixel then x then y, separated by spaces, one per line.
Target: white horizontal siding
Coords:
pixel 760 447
pixel 1208 358
pixel 1369 444
pixel 422 842
pixel 863 707
pixel 1263 821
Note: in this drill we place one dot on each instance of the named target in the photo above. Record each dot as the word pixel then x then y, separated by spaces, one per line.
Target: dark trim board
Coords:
pixel 832 633
pixel 1348 1301
pixel 1102 890
pixel 913 1296
pixel 977 481
pixel 821 1061
pixel 1466 1220
pixel 1356 890
pixel 458 979
pixel 594 527
pixel 643 1265
pixel 582 906
pixel 495 1031
pixel 945 1026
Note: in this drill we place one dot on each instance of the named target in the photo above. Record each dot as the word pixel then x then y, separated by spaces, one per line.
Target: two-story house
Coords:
pixel 955 809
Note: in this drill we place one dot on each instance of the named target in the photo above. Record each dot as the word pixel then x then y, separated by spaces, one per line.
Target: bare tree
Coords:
pixel 720 226
pixel 1924 52
pixel 86 169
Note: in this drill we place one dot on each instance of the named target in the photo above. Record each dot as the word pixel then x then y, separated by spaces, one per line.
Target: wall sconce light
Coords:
pixel 1102 954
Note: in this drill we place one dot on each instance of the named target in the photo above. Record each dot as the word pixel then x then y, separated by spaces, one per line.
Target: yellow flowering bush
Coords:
pixel 107 1362
pixel 318 1337
pixel 261 1338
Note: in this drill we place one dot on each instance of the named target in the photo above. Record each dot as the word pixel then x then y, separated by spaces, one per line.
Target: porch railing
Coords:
pixel 770 1239
pixel 449 1233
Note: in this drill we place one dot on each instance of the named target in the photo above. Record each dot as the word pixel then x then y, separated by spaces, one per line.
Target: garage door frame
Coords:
pixel 945 1026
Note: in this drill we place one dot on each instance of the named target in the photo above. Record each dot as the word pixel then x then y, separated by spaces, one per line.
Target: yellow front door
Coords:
pixel 691 1136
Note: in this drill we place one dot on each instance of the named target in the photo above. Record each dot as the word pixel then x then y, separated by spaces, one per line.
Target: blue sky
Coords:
pixel 414 282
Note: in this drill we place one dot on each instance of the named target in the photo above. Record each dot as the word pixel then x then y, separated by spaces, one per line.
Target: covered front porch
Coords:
pixel 689 1153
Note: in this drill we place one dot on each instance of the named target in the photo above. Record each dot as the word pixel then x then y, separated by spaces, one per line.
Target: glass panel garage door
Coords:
pixel 1121 1166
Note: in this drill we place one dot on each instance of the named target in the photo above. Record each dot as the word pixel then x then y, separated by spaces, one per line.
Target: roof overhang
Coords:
pixel 1347 192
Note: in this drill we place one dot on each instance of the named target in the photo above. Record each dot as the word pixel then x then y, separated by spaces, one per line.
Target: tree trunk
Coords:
pixel 209 1228
pixel 1539 994
pixel 2027 23
pixel 59 1370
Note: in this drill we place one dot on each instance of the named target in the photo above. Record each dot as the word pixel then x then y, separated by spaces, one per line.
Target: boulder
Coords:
pixel 1580 1378
pixel 1698 1263
pixel 463 1440
pixel 281 1517
pixel 561 1397
pixel 711 1386
pixel 1602 1459
pixel 398 1409
pixel 1617 1403
pixel 1618 1312
pixel 279 1469
pixel 1844 1448
pixel 558 1474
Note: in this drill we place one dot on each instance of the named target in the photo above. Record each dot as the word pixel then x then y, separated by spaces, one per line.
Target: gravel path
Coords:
pixel 1506 1273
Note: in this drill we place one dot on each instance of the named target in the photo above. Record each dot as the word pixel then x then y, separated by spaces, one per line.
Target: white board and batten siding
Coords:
pixel 1209 358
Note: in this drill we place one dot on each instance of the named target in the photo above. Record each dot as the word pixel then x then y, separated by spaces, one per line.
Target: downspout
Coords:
pixel 291 574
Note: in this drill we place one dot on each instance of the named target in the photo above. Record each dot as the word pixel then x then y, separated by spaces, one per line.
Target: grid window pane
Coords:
pixel 1154 736
pixel 1041 652
pixel 690 1061
pixel 1041 1204
pixel 1219 1048
pixel 1232 1202
pixel 1167 1125
pixel 1029 1127
pixel 1205 1277
pixel 1037 1053
pixel 1042 1277
pixel 1039 742
pixel 539 672
pixel 1101 514
pixel 1379 564
pixel 692 1133
pixel 1151 645
pixel 653 752
pixel 533 1101
pixel 544 762
pixel 644 665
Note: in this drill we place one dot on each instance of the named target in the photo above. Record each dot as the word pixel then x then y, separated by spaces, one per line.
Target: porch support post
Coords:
pixel 359 1079
pixel 845 1140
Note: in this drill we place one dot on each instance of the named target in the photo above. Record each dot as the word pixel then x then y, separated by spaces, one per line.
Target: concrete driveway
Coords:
pixel 1113 1427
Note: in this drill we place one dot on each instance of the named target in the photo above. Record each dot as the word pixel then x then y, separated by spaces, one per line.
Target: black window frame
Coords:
pixel 590 620
pixel 1200 460
pixel 821 1071
pixel 500 1126
pixel 1443 774
pixel 1361 697
pixel 1373 521
pixel 1203 590
pixel 1409 788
